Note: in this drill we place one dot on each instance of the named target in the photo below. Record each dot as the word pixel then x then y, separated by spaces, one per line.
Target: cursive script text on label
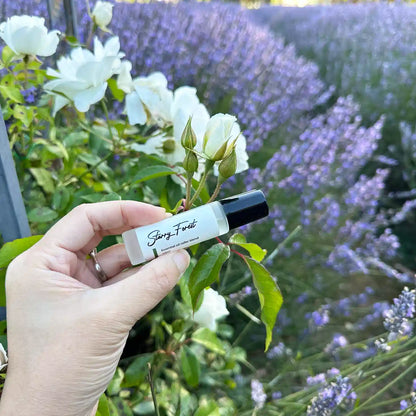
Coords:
pixel 182 226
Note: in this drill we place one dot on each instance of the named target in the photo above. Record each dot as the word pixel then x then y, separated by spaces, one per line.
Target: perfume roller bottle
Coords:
pixel 194 226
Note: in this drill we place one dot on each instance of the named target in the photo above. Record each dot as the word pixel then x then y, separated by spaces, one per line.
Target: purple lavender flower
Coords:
pixel 401 215
pixel 404 404
pixel 241 294
pixel 330 397
pixel 257 393
pixel 318 318
pixel 29 95
pixel 276 395
pixel 359 355
pixel 215 48
pixel 277 351
pixel 302 297
pixel 382 345
pixel 378 310
pixel 317 379
pixel 396 318
pixel 248 290
pixel 380 48
pixel 338 341
pixel 332 372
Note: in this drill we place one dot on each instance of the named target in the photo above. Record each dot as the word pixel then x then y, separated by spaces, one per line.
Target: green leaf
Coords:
pixel 136 371
pixel 72 40
pixel 208 339
pixel 209 408
pixel 115 384
pixel 91 197
pixel 11 250
pixel 11 93
pixel 25 114
pixel 183 285
pixel 256 252
pixel 89 158
pixel 190 366
pixel 55 149
pixel 194 249
pixel 207 269
pixel 113 196
pixel 41 214
pixel 7 55
pixel 122 407
pixel 112 408
pixel 77 138
pixel 269 295
pixel 2 287
pixel 118 94
pixel 103 408
pixel 3 341
pixel 61 199
pixel 144 408
pixel 44 179
pixel 152 172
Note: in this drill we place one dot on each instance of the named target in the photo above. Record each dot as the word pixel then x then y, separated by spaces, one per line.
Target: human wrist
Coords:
pixel 18 399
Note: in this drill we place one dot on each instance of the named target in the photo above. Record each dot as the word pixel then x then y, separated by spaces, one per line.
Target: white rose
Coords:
pixel 213 307
pixel 242 156
pixel 28 35
pixel 220 135
pixel 102 13
pixel 144 95
pixel 82 77
pixel 3 357
pixel 172 109
pixel 186 104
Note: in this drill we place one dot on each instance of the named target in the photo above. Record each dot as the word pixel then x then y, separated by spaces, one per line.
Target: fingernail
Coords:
pixel 181 259
pixel 168 214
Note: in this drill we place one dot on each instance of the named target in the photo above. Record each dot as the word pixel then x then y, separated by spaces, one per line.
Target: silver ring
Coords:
pixel 101 276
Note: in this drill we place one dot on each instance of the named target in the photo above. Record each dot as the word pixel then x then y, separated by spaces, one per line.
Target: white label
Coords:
pixel 180 231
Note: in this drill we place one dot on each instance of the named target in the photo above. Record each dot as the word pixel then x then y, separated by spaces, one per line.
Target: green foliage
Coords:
pixel 103 406
pixel 208 339
pixel 269 295
pixel 136 371
pixel 3 287
pixel 206 271
pixel 190 366
pixel 255 251
pixel 208 408
pixel 152 172
pixel 11 250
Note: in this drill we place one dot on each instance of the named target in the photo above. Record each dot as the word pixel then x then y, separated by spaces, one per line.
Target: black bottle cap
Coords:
pixel 244 208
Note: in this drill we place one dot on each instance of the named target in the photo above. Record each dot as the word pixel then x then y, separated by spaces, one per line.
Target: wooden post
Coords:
pixel 13 219
pixel 55 10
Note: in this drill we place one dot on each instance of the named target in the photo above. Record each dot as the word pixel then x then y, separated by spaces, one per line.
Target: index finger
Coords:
pixel 84 226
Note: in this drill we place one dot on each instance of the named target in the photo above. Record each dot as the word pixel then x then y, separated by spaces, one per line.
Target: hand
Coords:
pixel 66 330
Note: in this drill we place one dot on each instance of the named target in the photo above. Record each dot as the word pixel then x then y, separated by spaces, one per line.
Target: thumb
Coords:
pixel 135 295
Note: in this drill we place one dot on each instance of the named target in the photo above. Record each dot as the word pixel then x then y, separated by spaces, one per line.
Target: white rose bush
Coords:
pixel 102 14
pixel 81 78
pixel 213 307
pixel 85 129
pixel 28 36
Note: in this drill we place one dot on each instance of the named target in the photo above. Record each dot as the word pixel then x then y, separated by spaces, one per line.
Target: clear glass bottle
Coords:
pixel 194 226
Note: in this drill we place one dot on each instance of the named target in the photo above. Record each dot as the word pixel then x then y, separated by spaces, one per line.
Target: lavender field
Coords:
pixel 325 98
